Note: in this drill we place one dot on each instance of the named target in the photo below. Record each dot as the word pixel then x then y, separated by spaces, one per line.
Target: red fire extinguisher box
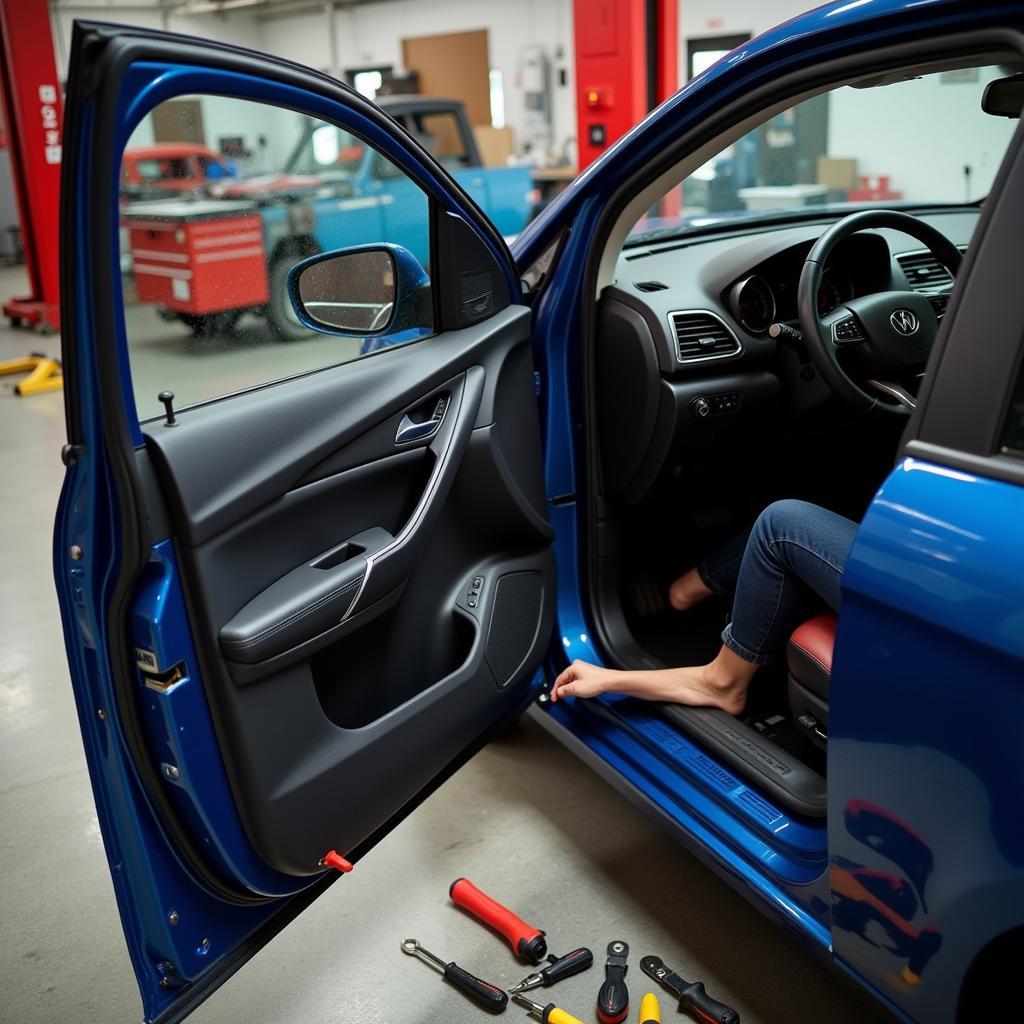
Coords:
pixel 199 256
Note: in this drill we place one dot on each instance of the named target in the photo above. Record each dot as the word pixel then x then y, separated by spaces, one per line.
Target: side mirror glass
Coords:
pixel 351 291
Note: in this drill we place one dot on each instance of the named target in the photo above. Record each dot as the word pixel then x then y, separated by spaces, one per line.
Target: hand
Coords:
pixel 581 679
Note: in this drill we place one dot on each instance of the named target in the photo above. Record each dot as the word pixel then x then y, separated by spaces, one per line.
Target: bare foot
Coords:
pixel 699 686
pixel 688 590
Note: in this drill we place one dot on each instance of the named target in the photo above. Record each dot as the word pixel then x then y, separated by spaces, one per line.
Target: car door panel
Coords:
pixel 317 671
pixel 290 616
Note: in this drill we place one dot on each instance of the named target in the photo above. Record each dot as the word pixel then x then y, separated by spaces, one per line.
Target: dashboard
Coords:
pixel 683 353
pixel 859 266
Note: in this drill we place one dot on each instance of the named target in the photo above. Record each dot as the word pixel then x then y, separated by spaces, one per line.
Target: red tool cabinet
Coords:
pixel 199 256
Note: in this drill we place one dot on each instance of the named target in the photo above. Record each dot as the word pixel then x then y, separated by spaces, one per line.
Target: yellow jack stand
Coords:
pixel 44 374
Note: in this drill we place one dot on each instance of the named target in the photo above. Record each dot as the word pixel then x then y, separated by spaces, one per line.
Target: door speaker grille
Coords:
pixel 514 621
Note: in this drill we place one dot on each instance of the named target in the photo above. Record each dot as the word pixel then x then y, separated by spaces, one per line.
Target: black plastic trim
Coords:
pixel 785 777
pixel 996 467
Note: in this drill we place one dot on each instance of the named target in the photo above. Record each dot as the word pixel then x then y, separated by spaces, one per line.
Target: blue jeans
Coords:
pixel 788 564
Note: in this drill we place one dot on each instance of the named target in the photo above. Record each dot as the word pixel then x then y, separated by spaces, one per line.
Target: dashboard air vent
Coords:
pixel 701 335
pixel 650 286
pixel 924 272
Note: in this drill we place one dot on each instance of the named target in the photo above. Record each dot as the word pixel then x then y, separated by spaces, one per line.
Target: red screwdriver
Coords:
pixel 526 941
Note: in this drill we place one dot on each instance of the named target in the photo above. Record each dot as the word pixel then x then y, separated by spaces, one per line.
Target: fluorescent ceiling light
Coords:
pixel 214 6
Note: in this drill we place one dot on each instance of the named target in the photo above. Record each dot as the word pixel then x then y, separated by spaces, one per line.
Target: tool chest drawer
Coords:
pixel 197 257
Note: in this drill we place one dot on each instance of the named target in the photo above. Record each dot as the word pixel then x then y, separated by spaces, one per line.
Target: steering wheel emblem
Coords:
pixel 904 321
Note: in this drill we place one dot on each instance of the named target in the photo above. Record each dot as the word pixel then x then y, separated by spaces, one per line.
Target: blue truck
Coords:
pixel 335 191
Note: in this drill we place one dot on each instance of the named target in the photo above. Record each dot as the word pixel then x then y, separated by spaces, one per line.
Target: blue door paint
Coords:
pixel 925 719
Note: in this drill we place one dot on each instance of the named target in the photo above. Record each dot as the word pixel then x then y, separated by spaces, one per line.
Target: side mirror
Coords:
pixel 364 290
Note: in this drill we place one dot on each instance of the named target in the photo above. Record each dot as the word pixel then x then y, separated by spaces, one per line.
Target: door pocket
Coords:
pixel 351 686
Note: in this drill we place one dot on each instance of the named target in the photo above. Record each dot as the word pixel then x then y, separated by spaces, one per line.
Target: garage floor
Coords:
pixel 524 819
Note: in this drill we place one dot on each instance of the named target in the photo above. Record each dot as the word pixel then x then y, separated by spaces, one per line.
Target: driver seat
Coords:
pixel 809 658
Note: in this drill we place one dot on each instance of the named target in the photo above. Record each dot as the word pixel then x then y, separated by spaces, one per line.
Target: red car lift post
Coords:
pixel 31 94
pixel 627 62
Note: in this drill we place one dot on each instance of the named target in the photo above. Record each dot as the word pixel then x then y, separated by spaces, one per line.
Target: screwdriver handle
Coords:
pixel 568 965
pixel 483 993
pixel 526 941
pixel 710 1011
pixel 556 1015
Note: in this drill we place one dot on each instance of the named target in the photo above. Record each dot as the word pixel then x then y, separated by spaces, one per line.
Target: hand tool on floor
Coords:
pixel 691 995
pixel 483 993
pixel 559 967
pixel 526 941
pixel 650 1010
pixel 549 1014
pixel 613 997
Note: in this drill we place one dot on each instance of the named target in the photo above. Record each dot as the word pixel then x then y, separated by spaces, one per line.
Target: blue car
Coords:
pixel 294 607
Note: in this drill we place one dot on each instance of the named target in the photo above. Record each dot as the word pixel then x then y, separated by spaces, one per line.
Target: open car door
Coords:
pixel 288 615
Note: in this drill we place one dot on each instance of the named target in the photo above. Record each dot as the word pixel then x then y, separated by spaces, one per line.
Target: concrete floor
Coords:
pixel 524 819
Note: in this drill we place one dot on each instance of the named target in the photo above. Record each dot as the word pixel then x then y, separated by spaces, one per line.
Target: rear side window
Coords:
pixel 1012 441
pixel 205 268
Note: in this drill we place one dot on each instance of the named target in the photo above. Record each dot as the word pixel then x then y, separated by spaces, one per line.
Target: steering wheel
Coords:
pixel 892 333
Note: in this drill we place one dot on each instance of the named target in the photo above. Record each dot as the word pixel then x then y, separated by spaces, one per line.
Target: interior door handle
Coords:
pixel 410 430
pixel 386 569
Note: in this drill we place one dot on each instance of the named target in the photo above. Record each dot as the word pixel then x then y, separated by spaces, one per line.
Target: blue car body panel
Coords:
pixel 925 721
pixel 921 862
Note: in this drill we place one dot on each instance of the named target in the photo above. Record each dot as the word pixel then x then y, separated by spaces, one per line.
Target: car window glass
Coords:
pixel 441 137
pixel 207 244
pixel 867 146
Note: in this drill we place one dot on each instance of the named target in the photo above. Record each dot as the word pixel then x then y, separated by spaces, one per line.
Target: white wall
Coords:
pixel 239 28
pixel 699 19
pixel 921 134
pixel 372 34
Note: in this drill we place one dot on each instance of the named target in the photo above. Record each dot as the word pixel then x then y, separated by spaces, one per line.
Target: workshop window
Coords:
pixel 216 209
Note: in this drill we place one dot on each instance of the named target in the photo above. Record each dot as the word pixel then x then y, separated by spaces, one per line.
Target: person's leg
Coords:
pixel 794 549
pixel 715 574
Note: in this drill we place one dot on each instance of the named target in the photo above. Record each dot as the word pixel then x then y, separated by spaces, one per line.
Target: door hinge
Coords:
pixel 153 676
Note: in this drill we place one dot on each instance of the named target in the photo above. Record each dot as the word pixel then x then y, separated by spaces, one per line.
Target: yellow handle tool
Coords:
pixel 650 1011
pixel 549 1014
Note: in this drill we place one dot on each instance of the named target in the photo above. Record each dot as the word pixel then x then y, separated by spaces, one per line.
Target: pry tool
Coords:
pixel 549 1014
pixel 483 993
pixel 613 997
pixel 558 968
pixel 526 941
pixel 693 999
pixel 650 1010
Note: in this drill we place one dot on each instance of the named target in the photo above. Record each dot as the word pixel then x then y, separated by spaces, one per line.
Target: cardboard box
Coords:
pixel 495 144
pixel 837 172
